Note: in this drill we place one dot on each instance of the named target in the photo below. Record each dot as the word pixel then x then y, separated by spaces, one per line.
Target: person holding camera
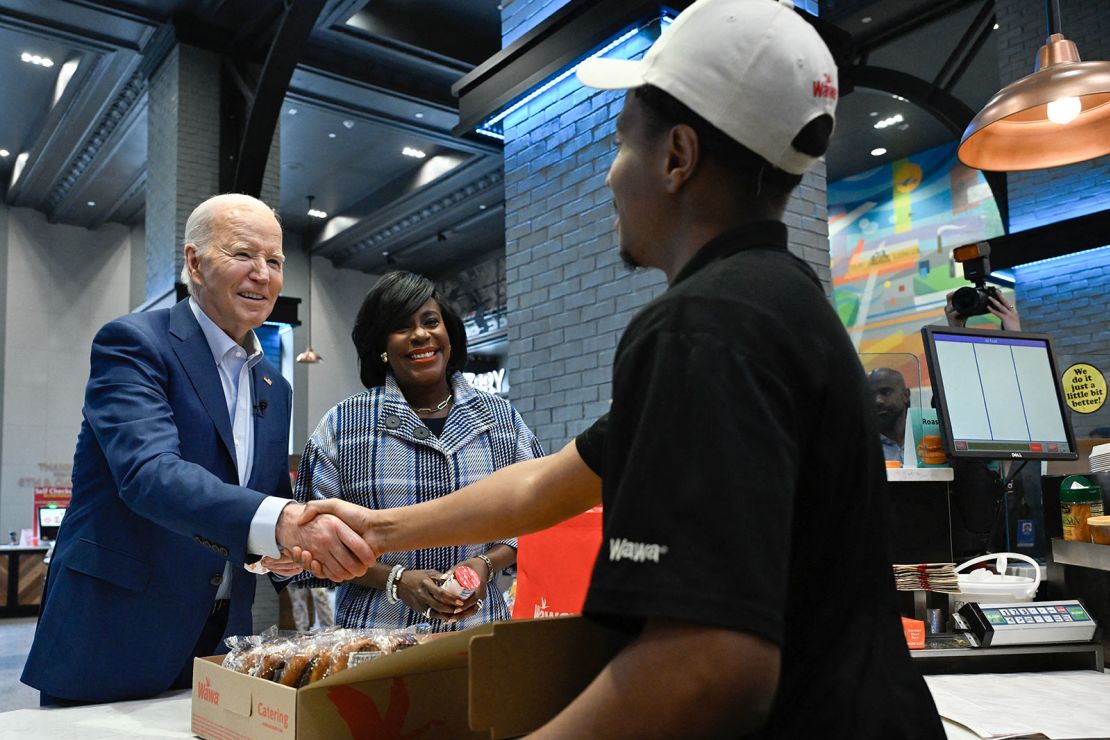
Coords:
pixel 996 306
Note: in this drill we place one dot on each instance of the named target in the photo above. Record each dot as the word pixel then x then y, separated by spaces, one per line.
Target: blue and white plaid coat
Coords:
pixel 365 451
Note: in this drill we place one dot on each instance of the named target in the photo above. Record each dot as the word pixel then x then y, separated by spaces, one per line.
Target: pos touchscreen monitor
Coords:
pixel 998 394
pixel 50 519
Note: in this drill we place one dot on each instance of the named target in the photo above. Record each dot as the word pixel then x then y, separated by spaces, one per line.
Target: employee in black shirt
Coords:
pixel 744 542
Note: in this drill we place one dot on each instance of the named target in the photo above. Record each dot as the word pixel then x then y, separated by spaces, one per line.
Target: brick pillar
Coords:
pixel 569 296
pixel 183 165
pixel 183 157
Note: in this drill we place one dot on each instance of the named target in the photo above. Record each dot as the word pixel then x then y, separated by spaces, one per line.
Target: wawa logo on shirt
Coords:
pixel 824 88
pixel 205 692
pixel 637 552
pixel 542 610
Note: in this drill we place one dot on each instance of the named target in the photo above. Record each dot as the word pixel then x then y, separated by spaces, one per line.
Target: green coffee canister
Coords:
pixel 1079 500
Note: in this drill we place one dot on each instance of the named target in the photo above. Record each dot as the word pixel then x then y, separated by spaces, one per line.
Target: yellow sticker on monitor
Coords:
pixel 1084 388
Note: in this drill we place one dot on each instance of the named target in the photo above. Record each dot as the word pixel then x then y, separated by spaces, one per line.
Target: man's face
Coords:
pixel 892 397
pixel 238 278
pixel 419 350
pixel 634 181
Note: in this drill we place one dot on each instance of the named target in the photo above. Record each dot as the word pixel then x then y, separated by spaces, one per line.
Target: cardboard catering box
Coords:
pixel 494 681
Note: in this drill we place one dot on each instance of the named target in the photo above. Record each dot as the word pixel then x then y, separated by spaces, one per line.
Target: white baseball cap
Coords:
pixel 752 68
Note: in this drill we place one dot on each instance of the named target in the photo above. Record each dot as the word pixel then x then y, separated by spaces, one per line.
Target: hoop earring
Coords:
pixel 385 357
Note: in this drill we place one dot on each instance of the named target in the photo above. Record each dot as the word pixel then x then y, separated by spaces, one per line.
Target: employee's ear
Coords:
pixel 683 153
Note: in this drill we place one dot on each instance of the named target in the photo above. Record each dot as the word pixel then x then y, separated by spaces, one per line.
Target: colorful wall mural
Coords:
pixel 891 234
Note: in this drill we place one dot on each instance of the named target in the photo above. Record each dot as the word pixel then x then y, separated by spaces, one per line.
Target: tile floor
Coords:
pixel 15 643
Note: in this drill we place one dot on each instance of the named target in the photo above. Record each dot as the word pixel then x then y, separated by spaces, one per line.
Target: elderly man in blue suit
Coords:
pixel 180 477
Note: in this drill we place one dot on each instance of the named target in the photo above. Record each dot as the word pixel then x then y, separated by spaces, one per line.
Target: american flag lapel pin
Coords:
pixel 267 380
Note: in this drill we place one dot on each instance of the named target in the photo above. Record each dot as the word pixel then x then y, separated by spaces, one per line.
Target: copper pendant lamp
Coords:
pixel 1058 115
pixel 309 356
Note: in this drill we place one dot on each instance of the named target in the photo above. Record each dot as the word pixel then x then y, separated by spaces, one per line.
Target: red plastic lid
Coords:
pixel 467 577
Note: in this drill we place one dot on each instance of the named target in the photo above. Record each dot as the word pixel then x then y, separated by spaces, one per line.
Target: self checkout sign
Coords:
pixel 1084 388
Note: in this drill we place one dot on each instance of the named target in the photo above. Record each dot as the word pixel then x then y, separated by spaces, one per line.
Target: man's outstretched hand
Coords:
pixel 324 544
pixel 358 518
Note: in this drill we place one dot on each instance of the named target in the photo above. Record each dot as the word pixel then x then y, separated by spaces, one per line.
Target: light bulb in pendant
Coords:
pixel 1064 110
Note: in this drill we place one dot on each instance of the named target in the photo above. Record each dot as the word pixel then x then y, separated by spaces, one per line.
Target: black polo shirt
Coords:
pixel 743 487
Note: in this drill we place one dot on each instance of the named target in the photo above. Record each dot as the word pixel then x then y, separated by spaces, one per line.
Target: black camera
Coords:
pixel 974 301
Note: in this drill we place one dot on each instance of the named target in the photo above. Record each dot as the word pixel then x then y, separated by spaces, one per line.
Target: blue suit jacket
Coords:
pixel 155 513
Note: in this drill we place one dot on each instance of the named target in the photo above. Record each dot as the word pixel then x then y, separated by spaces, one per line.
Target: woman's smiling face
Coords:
pixel 420 349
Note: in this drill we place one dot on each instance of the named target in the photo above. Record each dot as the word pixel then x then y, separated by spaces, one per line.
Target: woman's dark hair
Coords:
pixel 747 168
pixel 388 305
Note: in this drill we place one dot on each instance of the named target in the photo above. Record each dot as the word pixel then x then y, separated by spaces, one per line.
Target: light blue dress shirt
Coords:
pixel 234 364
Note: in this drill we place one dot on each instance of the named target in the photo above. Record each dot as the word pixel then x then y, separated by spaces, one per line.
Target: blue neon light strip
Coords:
pixel 1072 256
pixel 491 127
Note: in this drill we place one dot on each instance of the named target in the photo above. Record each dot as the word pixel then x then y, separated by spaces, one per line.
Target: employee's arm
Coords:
pixel 676 680
pixel 521 498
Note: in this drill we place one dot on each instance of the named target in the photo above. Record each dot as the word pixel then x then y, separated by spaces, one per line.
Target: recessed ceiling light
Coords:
pixel 482 207
pixel 865 19
pixel 316 213
pixel 996 26
pixel 36 59
pixel 873 113
pixel 91 203
pixel 418 115
pixel 408 151
pixel 331 135
pixel 348 123
pixel 292 111
pixel 5 153
pixel 889 121
pixel 878 152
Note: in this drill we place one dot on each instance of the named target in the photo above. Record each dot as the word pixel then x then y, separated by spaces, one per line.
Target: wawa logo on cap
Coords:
pixel 824 88
pixel 205 692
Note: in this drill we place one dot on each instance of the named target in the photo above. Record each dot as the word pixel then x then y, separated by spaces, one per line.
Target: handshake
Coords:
pixel 331 538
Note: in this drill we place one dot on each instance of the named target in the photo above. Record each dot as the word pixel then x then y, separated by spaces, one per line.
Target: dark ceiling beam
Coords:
pixel 393 46
pixel 907 22
pixel 317 96
pixel 977 33
pixel 101 146
pixel 85 28
pixel 384 67
pixel 416 212
pixel 558 42
pixel 1051 240
pixel 338 11
pixel 74 130
pixel 117 210
pixel 264 107
pixel 570 33
pixel 952 112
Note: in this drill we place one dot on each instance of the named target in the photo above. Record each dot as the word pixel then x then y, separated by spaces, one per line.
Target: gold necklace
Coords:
pixel 438 407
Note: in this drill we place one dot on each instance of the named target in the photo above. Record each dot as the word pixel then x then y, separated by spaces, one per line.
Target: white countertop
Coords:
pixel 918 475
pixel 165 716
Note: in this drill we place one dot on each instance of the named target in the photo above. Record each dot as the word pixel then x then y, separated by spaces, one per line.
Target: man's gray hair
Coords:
pixel 202 224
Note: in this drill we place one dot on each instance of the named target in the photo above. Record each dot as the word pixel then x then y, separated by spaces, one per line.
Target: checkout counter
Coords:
pixel 22 572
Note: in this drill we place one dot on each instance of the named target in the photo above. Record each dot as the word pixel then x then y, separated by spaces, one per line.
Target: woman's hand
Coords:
pixel 474 603
pixel 420 591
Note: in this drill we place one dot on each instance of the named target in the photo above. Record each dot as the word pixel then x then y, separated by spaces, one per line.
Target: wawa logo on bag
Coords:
pixel 637 552
pixel 205 692
pixel 824 88
pixel 541 610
